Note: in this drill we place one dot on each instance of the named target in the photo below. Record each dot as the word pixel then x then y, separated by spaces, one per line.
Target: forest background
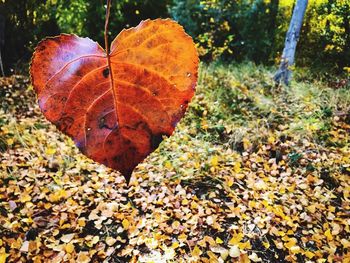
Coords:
pixel 223 29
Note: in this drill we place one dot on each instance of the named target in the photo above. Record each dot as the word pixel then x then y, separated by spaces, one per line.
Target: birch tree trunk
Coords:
pixel 284 73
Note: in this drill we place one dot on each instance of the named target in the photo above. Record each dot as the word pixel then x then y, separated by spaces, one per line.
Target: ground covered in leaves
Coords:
pixel 254 173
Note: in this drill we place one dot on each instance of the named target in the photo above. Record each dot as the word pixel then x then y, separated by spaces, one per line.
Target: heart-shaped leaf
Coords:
pixel 117 108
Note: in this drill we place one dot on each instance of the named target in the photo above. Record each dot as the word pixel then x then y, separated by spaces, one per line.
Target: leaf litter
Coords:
pixel 252 174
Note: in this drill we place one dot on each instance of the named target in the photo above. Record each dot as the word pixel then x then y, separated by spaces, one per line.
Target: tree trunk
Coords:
pixel 284 73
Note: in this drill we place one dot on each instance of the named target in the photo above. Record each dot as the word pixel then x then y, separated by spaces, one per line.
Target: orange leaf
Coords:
pixel 117 108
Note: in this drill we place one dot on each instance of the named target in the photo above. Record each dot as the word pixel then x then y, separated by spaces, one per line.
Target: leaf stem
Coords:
pixel 108 11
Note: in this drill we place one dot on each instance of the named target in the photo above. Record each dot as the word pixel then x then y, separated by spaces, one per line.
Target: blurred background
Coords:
pixel 224 30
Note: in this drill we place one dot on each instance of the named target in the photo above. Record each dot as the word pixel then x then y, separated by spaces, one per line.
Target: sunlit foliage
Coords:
pixel 229 30
pixel 255 30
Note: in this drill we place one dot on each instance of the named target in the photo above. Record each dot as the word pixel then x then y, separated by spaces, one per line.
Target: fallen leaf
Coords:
pixel 234 251
pixel 83 257
pixel 126 224
pixel 3 256
pixel 196 252
pixel 254 257
pixel 328 234
pixel 69 248
pixel 218 240
pixel 110 241
pixel 67 238
pixel 25 246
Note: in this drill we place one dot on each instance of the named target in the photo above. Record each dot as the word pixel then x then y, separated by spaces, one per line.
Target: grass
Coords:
pixel 234 101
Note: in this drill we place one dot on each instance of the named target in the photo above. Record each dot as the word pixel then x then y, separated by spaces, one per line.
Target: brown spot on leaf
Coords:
pixel 105 72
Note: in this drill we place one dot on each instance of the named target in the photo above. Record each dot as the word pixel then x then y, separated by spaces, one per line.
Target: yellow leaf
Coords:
pixel 265 203
pixel 57 195
pixel 214 161
pixel 184 202
pixel 252 204
pixel 271 140
pixel 312 208
pixel 281 233
pixel 328 234
pixel 9 141
pixel 81 222
pixel 279 211
pixel 266 244
pixel 246 143
pixel 237 167
pixel 50 151
pixel 196 252
pixel 309 254
pixel 69 248
pixel 245 245
pixel 230 182
pixel 291 242
pixel 27 220
pixel 295 249
pixel 290 232
pixel 3 256
pixel 175 245
pixel 47 206
pixel 65 226
pixel 25 198
pixel 194 205
pixel 202 243
pixel 210 240
pixel 213 257
pixel 184 157
pixel 218 240
pixel 126 224
pixel 167 165
pixel 236 239
pixel 182 237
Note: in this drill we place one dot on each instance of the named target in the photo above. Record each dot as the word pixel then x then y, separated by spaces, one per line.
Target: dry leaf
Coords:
pixel 69 248
pixel 67 238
